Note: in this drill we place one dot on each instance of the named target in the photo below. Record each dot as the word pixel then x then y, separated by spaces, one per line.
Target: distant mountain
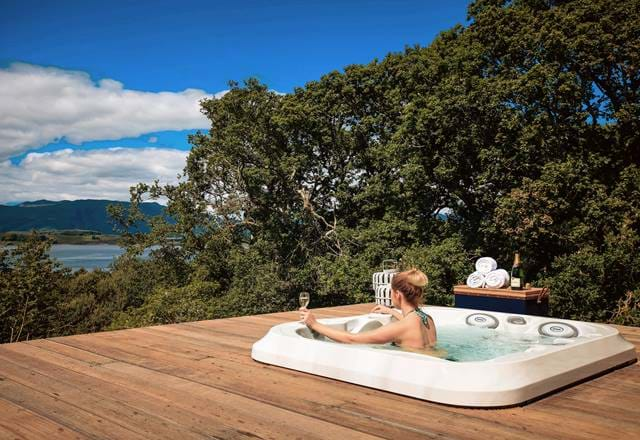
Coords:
pixel 66 214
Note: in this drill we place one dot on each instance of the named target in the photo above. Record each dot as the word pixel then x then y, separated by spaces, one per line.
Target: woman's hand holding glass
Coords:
pixel 307 317
pixel 305 314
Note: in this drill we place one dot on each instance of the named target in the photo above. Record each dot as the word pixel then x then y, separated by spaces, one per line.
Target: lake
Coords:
pixel 89 256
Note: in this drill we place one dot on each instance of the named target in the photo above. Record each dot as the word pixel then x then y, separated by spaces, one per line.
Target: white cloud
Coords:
pixel 87 174
pixel 39 105
pixel 153 139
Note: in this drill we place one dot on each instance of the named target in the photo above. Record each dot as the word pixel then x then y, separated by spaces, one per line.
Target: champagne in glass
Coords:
pixel 304 299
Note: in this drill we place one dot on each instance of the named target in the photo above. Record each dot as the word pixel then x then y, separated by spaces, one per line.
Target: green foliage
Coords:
pixel 337 280
pixel 447 263
pixel 257 284
pixel 591 283
pixel 92 301
pixel 30 291
pixel 170 305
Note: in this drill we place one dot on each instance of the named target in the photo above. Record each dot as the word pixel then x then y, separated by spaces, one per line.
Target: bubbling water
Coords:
pixel 463 343
pixel 468 344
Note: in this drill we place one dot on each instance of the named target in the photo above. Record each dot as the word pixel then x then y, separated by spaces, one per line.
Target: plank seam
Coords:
pixel 139 410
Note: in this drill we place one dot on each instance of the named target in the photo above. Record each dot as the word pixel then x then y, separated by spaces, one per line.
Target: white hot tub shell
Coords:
pixel 583 350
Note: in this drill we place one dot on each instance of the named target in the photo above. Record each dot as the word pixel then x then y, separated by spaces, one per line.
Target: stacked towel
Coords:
pixel 487 274
pixel 486 265
pixel 497 279
pixel 476 280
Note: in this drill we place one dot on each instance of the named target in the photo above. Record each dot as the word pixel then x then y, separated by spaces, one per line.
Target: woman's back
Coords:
pixel 418 331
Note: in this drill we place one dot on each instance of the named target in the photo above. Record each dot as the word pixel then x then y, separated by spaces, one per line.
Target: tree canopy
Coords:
pixel 521 127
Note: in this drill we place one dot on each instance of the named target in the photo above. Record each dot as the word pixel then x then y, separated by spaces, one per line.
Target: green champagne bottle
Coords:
pixel 517 274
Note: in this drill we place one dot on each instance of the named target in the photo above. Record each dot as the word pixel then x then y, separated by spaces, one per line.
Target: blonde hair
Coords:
pixel 410 283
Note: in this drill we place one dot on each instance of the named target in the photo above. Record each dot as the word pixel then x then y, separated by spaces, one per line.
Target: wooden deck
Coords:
pixel 197 380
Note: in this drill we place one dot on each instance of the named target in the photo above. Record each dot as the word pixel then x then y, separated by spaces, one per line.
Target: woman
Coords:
pixel 413 330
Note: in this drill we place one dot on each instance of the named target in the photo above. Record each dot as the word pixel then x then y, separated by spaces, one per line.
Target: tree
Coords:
pixel 30 291
pixel 521 127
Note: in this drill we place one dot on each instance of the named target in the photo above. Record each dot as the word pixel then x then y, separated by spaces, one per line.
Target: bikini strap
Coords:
pixel 423 316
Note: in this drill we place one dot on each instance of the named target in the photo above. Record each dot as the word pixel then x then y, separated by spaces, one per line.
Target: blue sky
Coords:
pixel 143 49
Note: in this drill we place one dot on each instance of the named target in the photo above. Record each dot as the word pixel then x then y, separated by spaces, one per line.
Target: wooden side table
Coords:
pixel 533 301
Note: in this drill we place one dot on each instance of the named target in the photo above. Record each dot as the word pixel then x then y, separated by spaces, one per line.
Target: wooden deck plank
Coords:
pixel 274 388
pixel 66 414
pixel 17 422
pixel 150 421
pixel 168 414
pixel 271 382
pixel 204 373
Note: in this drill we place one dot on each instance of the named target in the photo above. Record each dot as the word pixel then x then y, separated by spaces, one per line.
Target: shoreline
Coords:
pixel 78 237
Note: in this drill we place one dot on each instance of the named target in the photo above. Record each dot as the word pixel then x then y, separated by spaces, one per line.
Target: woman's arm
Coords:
pixel 388 311
pixel 381 335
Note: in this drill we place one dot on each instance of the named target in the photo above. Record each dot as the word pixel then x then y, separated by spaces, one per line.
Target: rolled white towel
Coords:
pixel 476 280
pixel 486 265
pixel 507 277
pixel 495 279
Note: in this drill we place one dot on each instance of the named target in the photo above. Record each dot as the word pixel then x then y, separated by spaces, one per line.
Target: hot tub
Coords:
pixel 492 359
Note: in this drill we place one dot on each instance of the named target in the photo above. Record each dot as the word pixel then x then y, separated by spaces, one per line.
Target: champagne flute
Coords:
pixel 304 299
